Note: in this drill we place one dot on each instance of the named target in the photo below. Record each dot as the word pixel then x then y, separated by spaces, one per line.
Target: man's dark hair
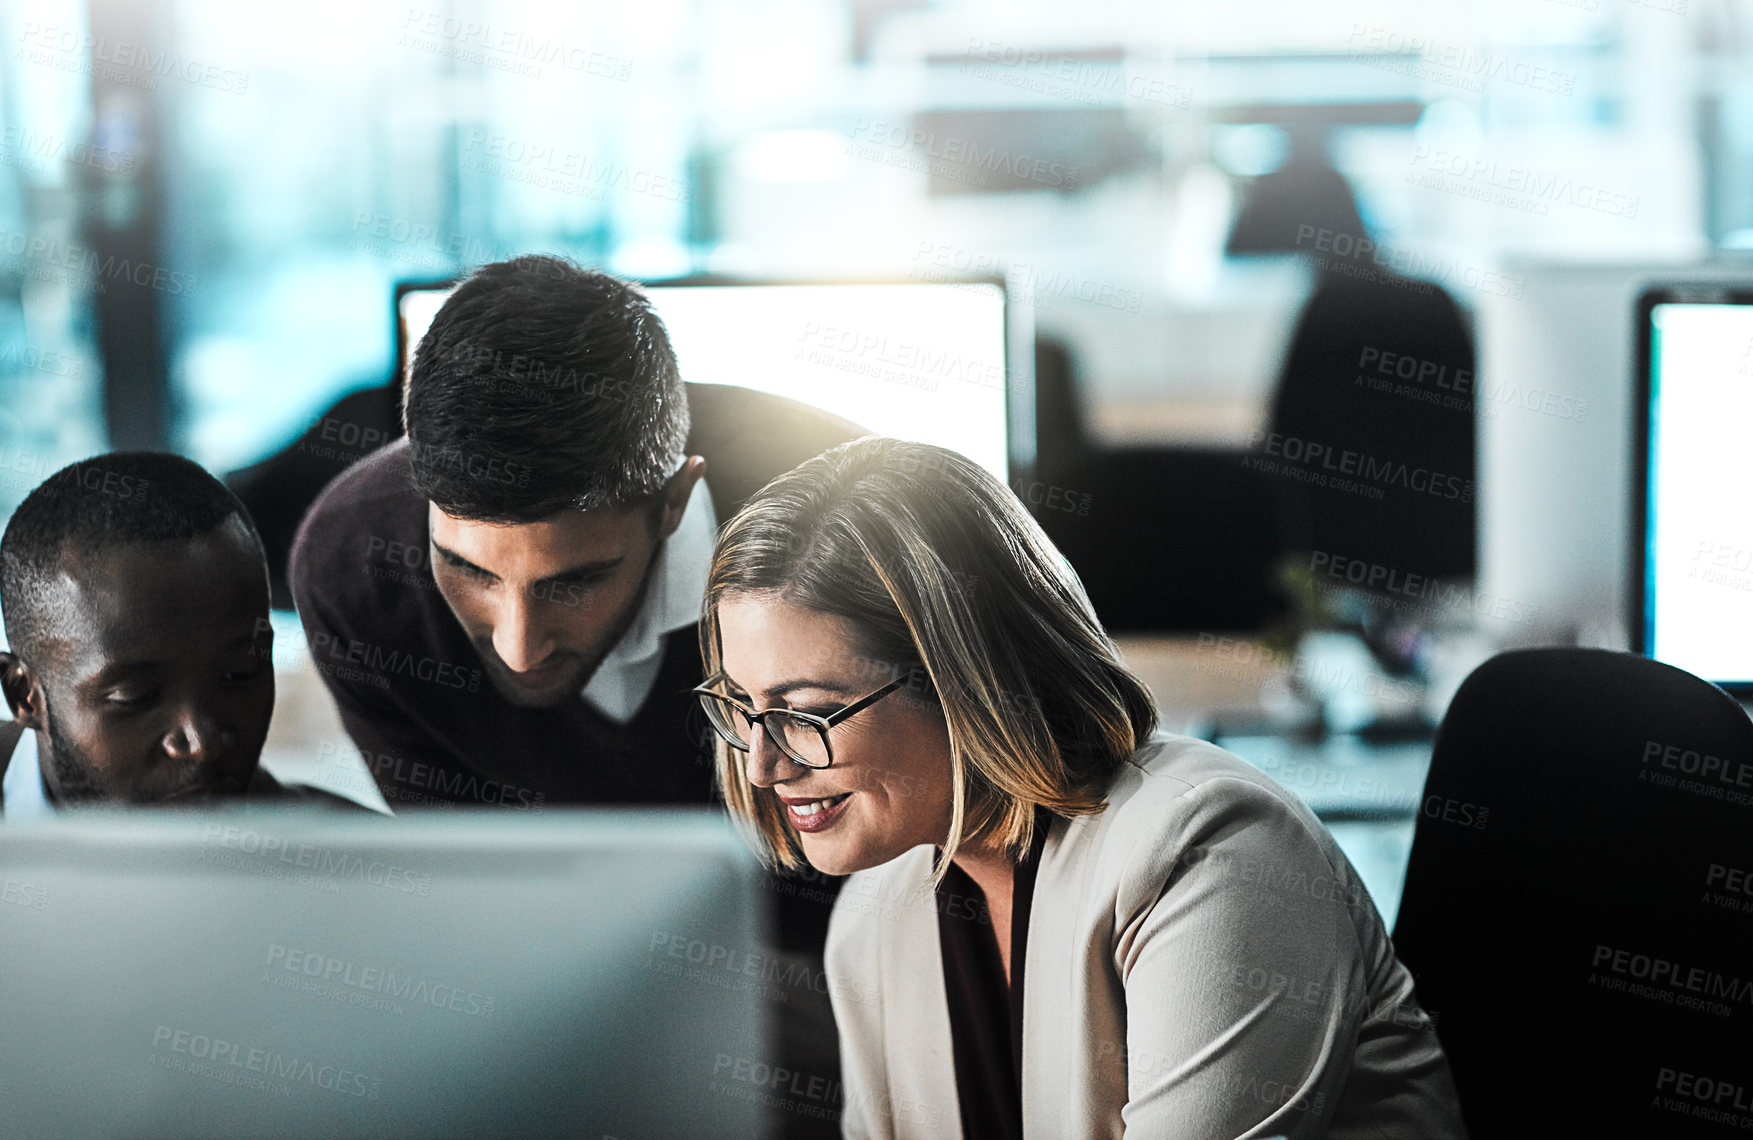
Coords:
pixel 542 386
pixel 97 504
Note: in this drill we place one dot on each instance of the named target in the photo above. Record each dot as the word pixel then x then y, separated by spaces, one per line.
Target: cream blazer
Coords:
pixel 1202 963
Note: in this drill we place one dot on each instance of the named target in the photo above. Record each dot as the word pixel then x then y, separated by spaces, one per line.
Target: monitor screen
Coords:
pixel 920 361
pixel 264 973
pixel 1695 519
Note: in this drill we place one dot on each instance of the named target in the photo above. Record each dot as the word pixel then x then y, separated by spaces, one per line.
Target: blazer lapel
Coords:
pixel 1049 971
pixel 922 1057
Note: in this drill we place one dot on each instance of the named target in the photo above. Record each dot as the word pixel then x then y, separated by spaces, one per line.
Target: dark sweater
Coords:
pixel 432 727
pixel 410 687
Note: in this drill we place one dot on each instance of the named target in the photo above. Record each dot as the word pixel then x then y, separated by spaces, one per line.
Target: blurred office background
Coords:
pixel 204 208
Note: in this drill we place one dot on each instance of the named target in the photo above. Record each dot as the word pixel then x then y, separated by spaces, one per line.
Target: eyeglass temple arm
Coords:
pixel 861 705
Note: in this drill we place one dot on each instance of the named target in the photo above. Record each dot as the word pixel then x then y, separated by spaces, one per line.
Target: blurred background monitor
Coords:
pixel 929 362
pixel 1693 522
pixel 280 975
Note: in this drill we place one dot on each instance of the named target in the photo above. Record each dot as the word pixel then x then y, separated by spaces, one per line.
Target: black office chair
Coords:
pixel 1578 907
pixel 1378 380
pixel 1175 539
pixel 1407 447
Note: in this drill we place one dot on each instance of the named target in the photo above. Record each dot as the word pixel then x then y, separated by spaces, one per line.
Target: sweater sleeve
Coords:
pixel 344 618
pixel 1244 979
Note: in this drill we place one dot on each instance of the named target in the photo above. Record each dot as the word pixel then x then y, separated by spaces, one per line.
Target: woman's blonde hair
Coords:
pixel 936 567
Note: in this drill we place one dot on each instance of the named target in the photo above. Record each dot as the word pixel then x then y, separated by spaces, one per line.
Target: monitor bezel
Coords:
pixel 1019 418
pixel 1640 597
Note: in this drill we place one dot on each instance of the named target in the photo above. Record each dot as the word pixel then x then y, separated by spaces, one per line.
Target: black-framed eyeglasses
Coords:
pixel 802 736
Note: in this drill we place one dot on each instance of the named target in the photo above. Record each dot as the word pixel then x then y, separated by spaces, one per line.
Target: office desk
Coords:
pixel 1368 795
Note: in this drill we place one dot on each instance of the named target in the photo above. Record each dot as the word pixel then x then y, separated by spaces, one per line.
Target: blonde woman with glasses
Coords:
pixel 1060 922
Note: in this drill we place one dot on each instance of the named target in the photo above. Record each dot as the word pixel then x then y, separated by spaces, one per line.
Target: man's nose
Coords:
pixel 519 638
pixel 197 737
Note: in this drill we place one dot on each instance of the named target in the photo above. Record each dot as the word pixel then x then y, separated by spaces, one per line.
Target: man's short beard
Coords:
pixel 75 779
pixel 581 679
pixel 495 671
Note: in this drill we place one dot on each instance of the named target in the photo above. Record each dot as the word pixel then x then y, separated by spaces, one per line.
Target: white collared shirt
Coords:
pixel 676 585
pixel 23 790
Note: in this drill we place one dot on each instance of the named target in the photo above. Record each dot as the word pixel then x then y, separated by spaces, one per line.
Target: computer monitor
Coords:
pixel 1692 518
pixel 573 973
pixel 939 362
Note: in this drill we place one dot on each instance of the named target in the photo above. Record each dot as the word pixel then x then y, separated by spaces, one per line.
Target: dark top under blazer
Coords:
pixel 411 688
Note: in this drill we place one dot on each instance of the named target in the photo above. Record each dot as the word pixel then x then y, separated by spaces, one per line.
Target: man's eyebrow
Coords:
pixel 582 570
pixel 456 559
pixel 586 569
pixel 116 670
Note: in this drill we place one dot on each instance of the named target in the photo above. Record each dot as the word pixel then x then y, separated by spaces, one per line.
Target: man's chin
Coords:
pixel 537 697
pixel 197 795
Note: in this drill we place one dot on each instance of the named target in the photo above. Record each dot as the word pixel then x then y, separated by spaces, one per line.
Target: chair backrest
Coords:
pixel 1176 539
pixel 1373 422
pixel 1579 899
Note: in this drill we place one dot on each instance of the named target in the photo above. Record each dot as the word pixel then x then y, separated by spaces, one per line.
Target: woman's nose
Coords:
pixel 764 758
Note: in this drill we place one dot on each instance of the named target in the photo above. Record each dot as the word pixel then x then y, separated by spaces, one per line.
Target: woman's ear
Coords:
pixel 24 691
